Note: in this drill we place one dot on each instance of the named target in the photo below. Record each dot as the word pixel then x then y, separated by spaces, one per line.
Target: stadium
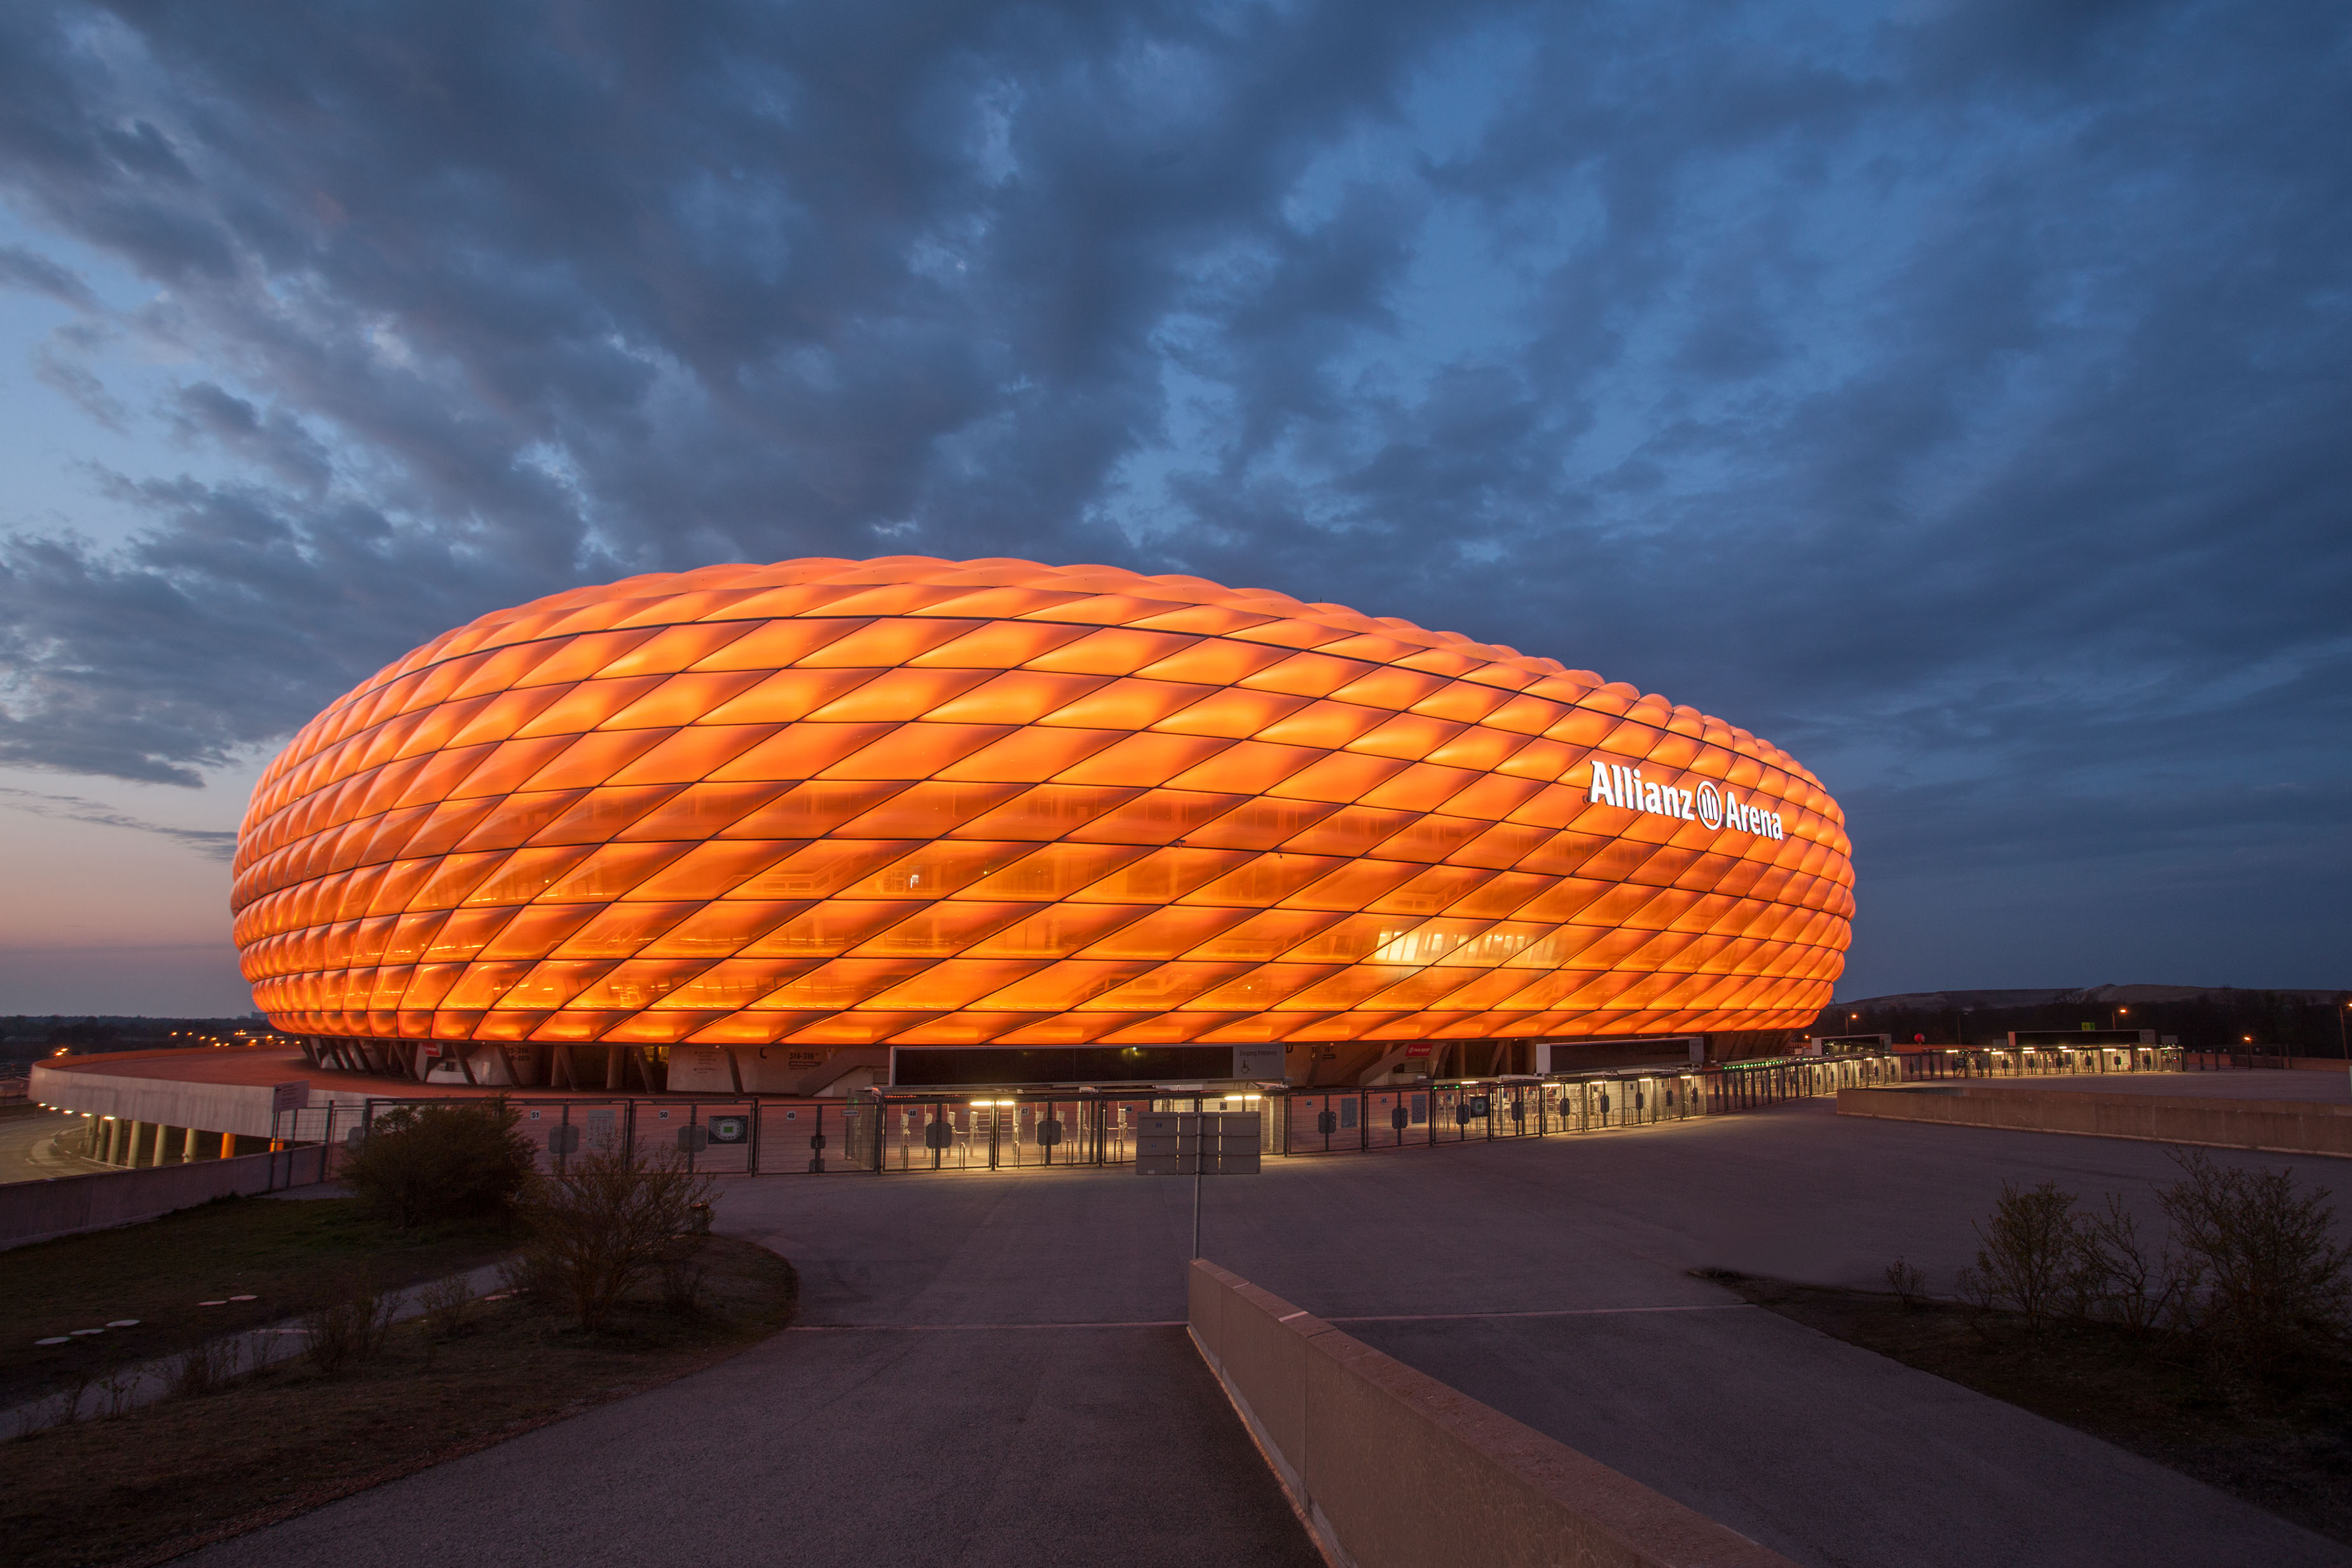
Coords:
pixel 810 827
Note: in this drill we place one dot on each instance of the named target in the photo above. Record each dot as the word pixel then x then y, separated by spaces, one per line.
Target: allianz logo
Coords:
pixel 1625 788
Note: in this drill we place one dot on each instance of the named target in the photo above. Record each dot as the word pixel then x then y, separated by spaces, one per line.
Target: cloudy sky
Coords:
pixel 1957 394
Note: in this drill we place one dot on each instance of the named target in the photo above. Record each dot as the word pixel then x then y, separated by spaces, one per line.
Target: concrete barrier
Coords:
pixel 66 1205
pixel 2274 1126
pixel 1392 1469
pixel 101 1086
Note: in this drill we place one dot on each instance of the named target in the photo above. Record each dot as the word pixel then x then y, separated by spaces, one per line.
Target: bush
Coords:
pixel 2263 1272
pixel 1909 1283
pixel 454 1160
pixel 2031 1261
pixel 2121 1283
pixel 602 1225
pixel 346 1323
pixel 446 1304
pixel 2253 1272
pixel 206 1368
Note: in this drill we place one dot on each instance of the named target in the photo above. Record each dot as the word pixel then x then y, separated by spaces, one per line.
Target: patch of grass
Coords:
pixel 144 1486
pixel 271 1248
pixel 2282 1442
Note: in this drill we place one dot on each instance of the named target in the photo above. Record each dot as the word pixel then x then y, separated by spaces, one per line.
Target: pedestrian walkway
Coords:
pixel 983 1377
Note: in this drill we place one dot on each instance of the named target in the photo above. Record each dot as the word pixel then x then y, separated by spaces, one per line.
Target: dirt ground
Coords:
pixel 160 1273
pixel 2280 1441
pixel 148 1485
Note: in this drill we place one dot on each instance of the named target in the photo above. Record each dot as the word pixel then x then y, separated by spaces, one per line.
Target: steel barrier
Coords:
pixel 905 1130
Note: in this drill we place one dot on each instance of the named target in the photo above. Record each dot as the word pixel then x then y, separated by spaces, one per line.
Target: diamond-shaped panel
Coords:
pixel 994 801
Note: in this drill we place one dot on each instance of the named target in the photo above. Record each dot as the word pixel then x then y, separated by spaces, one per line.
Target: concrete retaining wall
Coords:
pixel 2276 1126
pixel 1394 1469
pixel 64 1205
pixel 248 1110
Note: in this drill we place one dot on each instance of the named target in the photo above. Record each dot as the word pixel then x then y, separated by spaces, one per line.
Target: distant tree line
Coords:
pixel 26 1036
pixel 2217 1020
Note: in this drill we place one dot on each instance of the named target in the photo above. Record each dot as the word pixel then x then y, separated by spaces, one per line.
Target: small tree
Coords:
pixel 606 1222
pixel 450 1160
pixel 2123 1284
pixel 2265 1269
pixel 2031 1261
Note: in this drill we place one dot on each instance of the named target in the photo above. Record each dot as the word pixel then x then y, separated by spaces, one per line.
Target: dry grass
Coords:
pixel 273 1249
pixel 150 1484
pixel 2282 1442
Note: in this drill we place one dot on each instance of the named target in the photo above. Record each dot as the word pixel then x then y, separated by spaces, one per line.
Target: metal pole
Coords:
pixel 1196 1197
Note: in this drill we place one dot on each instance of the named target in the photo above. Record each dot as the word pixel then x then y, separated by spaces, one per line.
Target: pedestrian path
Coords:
pixel 990 1371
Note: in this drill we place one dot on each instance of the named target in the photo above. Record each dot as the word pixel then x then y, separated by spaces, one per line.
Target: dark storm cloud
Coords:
pixel 1958 399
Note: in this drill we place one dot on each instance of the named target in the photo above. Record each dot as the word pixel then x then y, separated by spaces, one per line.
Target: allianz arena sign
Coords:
pixel 771 814
pixel 1614 784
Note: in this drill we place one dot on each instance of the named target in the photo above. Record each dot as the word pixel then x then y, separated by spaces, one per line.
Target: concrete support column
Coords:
pixel 114 1131
pixel 228 1146
pixel 188 1147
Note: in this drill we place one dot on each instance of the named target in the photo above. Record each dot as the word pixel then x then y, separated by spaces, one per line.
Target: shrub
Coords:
pixel 2031 1261
pixel 1909 1285
pixel 454 1160
pixel 446 1305
pixel 346 1323
pixel 2263 1271
pixel 599 1228
pixel 2121 1282
pixel 204 1368
pixel 681 1276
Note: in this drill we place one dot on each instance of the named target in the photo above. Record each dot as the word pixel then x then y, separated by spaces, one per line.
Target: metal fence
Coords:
pixel 889 1131
pixel 741 1136
pixel 2034 1062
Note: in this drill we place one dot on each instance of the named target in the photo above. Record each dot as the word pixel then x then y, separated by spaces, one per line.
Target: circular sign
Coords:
pixel 1711 806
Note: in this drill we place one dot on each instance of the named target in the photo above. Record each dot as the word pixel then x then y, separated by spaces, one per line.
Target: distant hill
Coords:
pixel 2200 1018
pixel 2105 995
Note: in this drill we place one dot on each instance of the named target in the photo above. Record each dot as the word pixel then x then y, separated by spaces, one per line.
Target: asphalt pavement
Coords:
pixel 28 1146
pixel 936 1406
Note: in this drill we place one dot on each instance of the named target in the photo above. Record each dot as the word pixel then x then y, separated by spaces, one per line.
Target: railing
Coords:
pixel 891 1131
pixel 1001 1129
pixel 2259 1058
pixel 2036 1060
pixel 1355 1121
pixel 717 1135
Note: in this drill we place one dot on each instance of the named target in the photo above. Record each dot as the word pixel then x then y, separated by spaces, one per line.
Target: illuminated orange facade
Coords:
pixel 828 804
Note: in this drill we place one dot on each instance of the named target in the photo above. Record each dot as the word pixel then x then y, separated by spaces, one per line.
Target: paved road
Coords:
pixel 881 1432
pixel 25 1151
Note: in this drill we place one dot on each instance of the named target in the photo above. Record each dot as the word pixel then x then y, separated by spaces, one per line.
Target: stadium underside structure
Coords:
pixel 794 828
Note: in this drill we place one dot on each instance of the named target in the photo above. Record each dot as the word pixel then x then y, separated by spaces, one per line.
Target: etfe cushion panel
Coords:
pixel 962 803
